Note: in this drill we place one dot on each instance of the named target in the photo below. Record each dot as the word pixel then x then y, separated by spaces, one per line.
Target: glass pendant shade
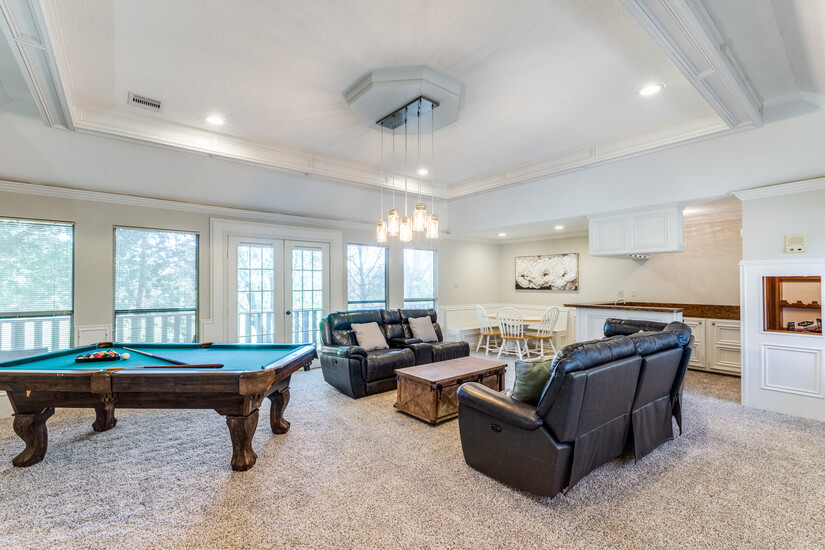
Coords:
pixel 393 223
pixel 420 217
pixel 406 229
pixel 432 227
pixel 381 232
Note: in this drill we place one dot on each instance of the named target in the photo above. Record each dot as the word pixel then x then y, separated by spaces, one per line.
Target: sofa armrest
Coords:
pixel 401 342
pixel 499 406
pixel 344 351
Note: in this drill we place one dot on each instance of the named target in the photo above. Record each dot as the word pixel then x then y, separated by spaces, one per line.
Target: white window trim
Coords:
pixel 216 327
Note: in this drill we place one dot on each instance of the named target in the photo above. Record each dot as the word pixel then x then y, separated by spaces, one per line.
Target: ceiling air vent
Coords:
pixel 144 102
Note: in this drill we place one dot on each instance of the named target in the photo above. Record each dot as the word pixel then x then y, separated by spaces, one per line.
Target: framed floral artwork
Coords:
pixel 550 272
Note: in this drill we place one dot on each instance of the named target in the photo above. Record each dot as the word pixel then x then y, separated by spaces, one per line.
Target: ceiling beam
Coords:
pixel 688 35
pixel 23 25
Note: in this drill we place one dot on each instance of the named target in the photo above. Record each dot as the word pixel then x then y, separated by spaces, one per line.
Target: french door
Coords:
pixel 279 290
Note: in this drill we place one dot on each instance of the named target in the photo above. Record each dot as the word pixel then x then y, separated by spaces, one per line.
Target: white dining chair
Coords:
pixel 487 331
pixel 544 332
pixel 511 327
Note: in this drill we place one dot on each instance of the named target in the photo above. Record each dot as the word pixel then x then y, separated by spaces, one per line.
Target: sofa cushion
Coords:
pixel 391 324
pixel 681 329
pixel 339 325
pixel 531 377
pixel 406 314
pixel 422 328
pixel 369 336
pixel 626 327
pixel 381 364
pixel 443 351
pixel 648 343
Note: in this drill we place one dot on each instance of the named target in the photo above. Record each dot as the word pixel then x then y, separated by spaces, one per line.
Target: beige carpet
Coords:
pixel 358 474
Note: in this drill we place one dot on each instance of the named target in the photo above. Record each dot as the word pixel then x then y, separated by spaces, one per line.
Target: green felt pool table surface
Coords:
pixel 233 357
pixel 246 374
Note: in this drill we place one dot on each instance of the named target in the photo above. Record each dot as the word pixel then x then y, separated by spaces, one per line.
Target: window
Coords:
pixel 366 277
pixel 36 287
pixel 156 286
pixel 419 279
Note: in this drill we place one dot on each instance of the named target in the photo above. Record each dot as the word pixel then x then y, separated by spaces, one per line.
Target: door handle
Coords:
pixel 289 312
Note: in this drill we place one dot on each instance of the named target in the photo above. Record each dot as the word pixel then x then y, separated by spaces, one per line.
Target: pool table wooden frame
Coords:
pixel 235 394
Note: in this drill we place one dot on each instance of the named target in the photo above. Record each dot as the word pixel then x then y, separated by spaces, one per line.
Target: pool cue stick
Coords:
pixel 146 353
pixel 186 366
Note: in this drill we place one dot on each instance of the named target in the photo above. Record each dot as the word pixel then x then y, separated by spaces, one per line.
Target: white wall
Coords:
pixel 766 221
pixel 706 272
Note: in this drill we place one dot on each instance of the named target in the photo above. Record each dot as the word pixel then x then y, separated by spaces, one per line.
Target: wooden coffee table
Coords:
pixel 428 391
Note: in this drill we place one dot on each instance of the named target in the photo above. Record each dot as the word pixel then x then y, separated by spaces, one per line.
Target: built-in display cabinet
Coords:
pixel 717 345
pixel 783 346
pixel 792 304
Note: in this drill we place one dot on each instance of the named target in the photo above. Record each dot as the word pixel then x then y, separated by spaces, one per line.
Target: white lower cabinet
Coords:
pixel 716 346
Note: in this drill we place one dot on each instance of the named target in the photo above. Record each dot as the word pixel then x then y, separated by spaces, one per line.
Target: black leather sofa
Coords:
pixel 357 372
pixel 601 395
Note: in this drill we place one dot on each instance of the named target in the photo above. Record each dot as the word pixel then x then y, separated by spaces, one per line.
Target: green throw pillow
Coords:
pixel 531 377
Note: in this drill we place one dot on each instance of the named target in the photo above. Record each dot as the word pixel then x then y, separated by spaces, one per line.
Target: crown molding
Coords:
pixel 147 202
pixel 142 129
pixel 24 25
pixel 700 127
pixel 686 32
pixel 779 189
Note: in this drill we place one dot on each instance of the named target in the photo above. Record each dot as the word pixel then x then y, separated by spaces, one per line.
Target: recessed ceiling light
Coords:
pixel 559 227
pixel 502 234
pixel 651 89
pixel 215 119
pixel 423 171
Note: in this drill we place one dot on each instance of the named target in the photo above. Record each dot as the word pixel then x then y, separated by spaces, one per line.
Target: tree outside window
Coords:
pixel 419 279
pixel 366 277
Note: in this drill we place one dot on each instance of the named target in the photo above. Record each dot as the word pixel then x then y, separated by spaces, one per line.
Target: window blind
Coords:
pixel 36 287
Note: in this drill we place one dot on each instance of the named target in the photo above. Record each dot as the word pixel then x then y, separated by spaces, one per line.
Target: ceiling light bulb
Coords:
pixel 215 119
pixel 651 89
pixel 423 171
pixel 502 234
pixel 559 227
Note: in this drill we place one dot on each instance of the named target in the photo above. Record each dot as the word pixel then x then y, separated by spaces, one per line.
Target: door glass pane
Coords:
pixel 256 281
pixel 307 293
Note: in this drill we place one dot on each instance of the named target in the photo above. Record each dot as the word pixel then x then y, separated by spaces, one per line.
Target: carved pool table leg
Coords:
pixel 32 430
pixel 279 400
pixel 241 430
pixel 105 413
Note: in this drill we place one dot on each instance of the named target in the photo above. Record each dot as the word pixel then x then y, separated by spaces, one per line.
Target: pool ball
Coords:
pixel 124 356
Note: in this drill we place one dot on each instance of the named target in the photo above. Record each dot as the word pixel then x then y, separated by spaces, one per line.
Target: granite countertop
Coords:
pixel 706 311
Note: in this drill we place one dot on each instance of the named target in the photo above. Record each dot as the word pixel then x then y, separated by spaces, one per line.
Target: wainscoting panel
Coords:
pixel 792 370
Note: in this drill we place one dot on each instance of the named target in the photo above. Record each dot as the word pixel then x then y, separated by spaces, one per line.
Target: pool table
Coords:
pixel 234 381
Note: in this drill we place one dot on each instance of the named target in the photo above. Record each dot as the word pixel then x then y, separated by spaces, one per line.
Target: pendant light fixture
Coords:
pixel 393 220
pixel 419 221
pixel 406 221
pixel 420 213
pixel 432 219
pixel 381 227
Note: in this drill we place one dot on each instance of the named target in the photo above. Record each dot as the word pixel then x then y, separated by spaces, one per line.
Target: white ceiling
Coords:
pixel 542 80
pixel 540 77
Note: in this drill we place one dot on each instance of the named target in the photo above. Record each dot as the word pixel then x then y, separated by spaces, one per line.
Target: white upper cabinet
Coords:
pixel 640 232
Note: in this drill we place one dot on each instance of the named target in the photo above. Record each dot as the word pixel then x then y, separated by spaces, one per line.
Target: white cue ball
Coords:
pixel 124 356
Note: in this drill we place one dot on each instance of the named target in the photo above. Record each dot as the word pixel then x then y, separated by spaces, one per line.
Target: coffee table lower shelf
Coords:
pixel 428 392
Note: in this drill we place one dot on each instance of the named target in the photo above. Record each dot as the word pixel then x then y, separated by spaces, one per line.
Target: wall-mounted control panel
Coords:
pixel 795 244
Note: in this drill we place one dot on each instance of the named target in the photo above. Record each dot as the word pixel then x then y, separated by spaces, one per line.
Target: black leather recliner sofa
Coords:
pixel 357 372
pixel 602 394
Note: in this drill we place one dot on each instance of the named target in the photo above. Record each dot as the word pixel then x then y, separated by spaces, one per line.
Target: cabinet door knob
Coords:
pixel 714 324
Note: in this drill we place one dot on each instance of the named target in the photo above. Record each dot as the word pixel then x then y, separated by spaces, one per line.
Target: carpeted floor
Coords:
pixel 358 474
